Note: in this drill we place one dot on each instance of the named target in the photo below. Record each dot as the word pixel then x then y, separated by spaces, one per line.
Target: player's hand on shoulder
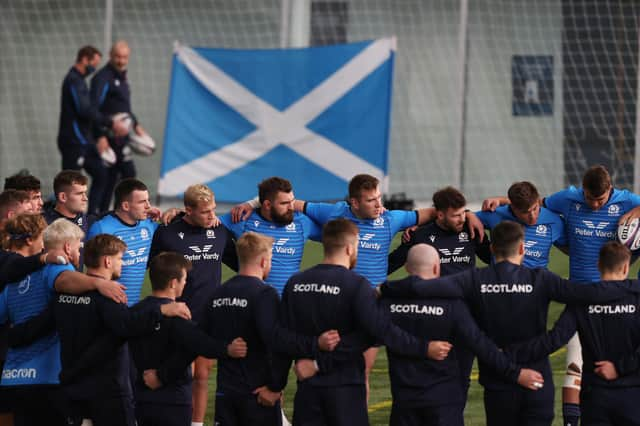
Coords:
pixel 475 226
pixel 151 379
pixel 438 350
pixel 491 204
pixel 530 379
pixel 237 348
pixel 406 235
pixel 606 370
pixel 305 369
pixel 241 212
pixel 154 214
pixel 176 309
pixel 169 214
pixel 55 257
pixel 266 397
pixel 328 340
pixel 112 290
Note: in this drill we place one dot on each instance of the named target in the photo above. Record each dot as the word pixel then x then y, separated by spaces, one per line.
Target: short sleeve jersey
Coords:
pixel 375 234
pixel 538 238
pixel 138 239
pixel 587 230
pixel 39 362
pixel 288 242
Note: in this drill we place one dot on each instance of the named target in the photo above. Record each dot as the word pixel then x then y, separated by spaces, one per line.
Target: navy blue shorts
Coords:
pixel 520 406
pixel 330 406
pixel 607 406
pixel 163 414
pixel 441 415
pixel 243 410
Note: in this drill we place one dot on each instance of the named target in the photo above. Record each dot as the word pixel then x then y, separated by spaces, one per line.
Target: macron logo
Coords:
pixel 20 373
pixel 279 247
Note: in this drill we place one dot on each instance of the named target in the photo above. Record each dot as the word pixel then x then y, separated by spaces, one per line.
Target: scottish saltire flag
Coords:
pixel 316 116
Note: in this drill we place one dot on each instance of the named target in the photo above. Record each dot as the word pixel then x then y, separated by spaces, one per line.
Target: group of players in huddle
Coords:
pixel 83 347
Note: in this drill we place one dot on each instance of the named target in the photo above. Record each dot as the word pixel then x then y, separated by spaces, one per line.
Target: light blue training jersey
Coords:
pixel 134 261
pixel 375 234
pixel 538 238
pixel 587 230
pixel 288 244
pixel 39 362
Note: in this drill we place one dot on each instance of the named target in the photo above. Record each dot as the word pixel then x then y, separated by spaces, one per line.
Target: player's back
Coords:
pixel 425 381
pixel 80 322
pixel 610 331
pixel 149 351
pixel 232 313
pixel 329 297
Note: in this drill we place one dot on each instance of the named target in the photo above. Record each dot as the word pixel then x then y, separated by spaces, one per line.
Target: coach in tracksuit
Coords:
pixel 510 304
pixel 610 337
pixel 103 393
pixel 427 392
pixel 78 116
pixel 332 296
pixel 111 93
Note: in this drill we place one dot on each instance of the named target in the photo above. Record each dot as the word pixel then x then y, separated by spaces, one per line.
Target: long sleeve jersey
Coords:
pixel 608 331
pixel 509 303
pixel 83 319
pixel 169 337
pixel 424 382
pixel 331 297
pixel 78 114
pixel 246 307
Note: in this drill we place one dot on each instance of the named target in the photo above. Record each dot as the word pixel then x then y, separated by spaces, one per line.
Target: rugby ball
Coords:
pixel 629 234
pixel 140 144
pixel 108 157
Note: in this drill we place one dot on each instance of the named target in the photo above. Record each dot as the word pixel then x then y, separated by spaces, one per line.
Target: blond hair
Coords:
pixel 251 245
pixel 196 194
pixel 61 231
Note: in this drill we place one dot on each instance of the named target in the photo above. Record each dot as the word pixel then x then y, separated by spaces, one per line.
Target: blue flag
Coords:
pixel 316 116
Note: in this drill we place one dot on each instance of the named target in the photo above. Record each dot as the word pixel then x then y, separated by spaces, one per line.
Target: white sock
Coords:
pixel 197 424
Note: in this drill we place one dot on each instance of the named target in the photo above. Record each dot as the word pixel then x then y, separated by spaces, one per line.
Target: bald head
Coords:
pixel 423 261
pixel 119 55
